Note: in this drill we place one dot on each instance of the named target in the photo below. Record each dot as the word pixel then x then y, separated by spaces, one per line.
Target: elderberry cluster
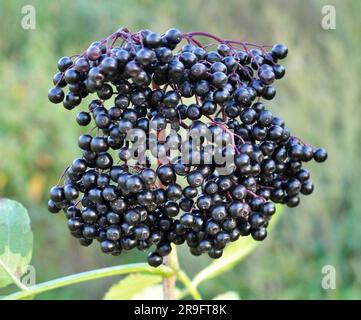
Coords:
pixel 118 195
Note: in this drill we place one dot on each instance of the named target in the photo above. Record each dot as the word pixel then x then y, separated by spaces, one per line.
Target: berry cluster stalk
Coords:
pixel 169 283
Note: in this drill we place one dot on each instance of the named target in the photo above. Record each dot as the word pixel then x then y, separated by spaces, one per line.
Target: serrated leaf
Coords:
pixel 16 241
pixel 230 295
pixel 131 285
pixel 233 254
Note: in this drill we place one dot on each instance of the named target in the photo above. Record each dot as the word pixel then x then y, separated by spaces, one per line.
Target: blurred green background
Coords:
pixel 319 99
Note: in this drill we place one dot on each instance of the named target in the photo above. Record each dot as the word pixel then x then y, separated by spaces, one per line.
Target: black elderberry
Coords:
pixel 173 36
pixel 171 209
pixel 56 95
pixel 70 192
pixel 218 212
pixel 259 234
pixel 64 63
pixel 57 194
pixel 166 174
pixel 195 179
pixel 155 259
pixel 215 96
pixel 307 187
pixel 279 51
pixel 320 155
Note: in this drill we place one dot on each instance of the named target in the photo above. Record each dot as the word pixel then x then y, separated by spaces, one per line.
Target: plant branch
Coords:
pixel 90 275
pixel 169 283
pixel 190 288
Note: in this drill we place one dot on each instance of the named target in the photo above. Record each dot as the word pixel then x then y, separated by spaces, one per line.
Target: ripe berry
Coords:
pixel 74 224
pixel 193 112
pixel 107 246
pixel 279 51
pixel 307 187
pixel 154 259
pixel 164 248
pixel 83 118
pixel 237 209
pixel 171 209
pixel 195 179
pixel 153 40
pixel 166 174
pixel 52 207
pixel 259 234
pixel 70 192
pixel 269 92
pixel 320 155
pixel 173 36
pixel 134 184
pixel 98 144
pixel 79 165
pixel 218 212
pixel 268 208
pixel 64 63
pixel 141 232
pixel 93 52
pixel 279 71
pixel 57 194
pixel 56 95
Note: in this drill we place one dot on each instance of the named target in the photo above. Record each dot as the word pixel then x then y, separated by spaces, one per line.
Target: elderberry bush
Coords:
pixel 137 185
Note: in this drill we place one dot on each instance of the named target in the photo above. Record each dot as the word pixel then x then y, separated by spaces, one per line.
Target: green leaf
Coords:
pixel 131 285
pixel 153 293
pixel 230 295
pixel 150 293
pixel 16 242
pixel 232 255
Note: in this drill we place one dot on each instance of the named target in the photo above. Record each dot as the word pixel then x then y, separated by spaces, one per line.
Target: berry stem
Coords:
pixel 204 34
pixel 169 283
pixel 220 40
pixel 63 175
pixel 255 195
pixel 196 42
pixel 87 276
pixel 304 143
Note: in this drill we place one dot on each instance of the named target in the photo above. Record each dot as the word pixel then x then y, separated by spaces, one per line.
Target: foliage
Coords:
pixel 128 287
pixel 16 241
